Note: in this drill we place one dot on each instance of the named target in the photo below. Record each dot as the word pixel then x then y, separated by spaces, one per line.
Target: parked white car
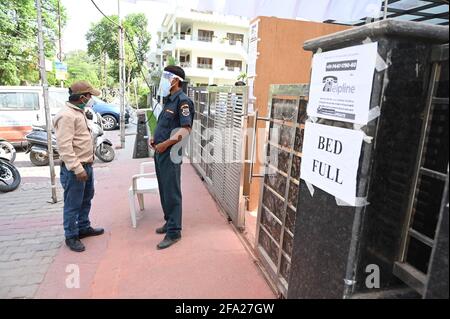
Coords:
pixel 22 107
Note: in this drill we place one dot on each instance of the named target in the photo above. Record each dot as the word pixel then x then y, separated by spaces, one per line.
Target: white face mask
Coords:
pixel 90 103
pixel 165 85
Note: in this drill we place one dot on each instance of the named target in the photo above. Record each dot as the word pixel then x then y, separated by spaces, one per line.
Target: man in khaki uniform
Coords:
pixel 76 151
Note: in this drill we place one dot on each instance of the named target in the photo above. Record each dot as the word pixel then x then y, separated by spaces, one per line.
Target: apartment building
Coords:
pixel 211 48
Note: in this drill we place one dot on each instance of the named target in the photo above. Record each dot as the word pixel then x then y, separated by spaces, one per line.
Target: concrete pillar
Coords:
pixel 334 244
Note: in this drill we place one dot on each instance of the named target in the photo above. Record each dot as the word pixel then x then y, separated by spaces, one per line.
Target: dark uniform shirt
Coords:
pixel 178 112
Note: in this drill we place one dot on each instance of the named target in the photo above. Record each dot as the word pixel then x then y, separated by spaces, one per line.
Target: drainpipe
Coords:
pixel 350 274
pixel 358 224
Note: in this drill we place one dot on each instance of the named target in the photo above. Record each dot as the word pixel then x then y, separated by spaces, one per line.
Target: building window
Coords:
pixel 235 37
pixel 232 64
pixel 185 60
pixel 205 35
pixel 185 31
pixel 205 63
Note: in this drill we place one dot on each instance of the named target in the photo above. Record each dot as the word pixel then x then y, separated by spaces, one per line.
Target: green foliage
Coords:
pixel 242 77
pixel 51 79
pixel 81 67
pixel 171 61
pixel 143 93
pixel 102 38
pixel 18 31
pixel 151 122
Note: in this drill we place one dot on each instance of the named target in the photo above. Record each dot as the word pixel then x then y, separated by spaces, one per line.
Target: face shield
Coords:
pixel 166 83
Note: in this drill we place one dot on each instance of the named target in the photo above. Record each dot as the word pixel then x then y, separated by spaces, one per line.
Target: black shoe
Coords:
pixel 161 230
pixel 88 232
pixel 168 241
pixel 75 244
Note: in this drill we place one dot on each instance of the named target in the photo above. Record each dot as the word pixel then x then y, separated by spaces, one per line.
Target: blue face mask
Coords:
pixel 164 87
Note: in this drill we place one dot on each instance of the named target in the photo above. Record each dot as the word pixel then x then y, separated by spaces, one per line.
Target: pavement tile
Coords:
pixel 122 263
pixel 22 292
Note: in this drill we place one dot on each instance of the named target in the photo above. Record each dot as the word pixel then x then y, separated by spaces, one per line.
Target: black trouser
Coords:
pixel 169 183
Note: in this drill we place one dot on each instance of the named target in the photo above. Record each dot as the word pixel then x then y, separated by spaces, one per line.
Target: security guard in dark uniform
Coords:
pixel 174 125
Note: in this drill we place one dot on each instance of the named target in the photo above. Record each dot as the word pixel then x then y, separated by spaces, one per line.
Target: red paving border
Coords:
pixel 209 262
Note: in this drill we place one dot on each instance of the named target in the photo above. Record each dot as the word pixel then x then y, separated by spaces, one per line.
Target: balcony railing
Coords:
pixel 189 37
pixel 235 42
pixel 234 69
pixel 204 66
pixel 208 70
pixel 185 64
pixel 204 39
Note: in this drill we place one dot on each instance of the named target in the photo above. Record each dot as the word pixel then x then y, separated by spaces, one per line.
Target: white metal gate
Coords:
pixel 218 145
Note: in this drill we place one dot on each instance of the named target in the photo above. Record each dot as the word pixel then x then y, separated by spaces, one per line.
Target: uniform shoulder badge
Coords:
pixel 185 110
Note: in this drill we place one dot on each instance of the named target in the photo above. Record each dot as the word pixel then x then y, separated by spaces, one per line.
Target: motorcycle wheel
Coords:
pixel 105 153
pixel 38 159
pixel 7 151
pixel 9 177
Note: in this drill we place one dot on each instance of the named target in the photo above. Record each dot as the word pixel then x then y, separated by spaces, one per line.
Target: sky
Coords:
pixel 82 13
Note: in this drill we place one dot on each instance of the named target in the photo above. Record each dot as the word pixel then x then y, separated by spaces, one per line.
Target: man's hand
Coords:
pixel 82 177
pixel 152 143
pixel 161 147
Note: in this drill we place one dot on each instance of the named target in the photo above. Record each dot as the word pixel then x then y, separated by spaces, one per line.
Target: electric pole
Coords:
pixel 121 79
pixel 59 35
pixel 46 105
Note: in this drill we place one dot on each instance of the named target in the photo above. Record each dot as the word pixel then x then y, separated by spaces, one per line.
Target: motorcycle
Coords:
pixel 103 146
pixel 37 146
pixel 9 176
pixel 37 142
pixel 7 150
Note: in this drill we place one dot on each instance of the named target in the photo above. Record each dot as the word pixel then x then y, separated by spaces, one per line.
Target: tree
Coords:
pixel 102 40
pixel 18 31
pixel 81 67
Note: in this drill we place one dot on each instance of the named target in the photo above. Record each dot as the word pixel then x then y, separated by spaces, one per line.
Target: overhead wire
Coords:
pixel 129 40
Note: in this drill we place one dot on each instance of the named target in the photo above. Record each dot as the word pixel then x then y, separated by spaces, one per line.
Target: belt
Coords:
pixel 82 163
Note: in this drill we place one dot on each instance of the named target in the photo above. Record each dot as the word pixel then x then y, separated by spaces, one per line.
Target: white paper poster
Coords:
pixel 331 159
pixel 341 83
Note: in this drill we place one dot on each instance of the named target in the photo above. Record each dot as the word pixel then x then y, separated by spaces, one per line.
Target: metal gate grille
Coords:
pixel 279 193
pixel 430 182
pixel 218 145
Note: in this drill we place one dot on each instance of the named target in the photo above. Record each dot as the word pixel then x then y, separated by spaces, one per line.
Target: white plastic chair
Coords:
pixel 140 185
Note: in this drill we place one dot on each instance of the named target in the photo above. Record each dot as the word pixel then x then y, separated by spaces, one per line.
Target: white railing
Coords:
pixel 214 39
pixel 204 66
pixel 233 69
